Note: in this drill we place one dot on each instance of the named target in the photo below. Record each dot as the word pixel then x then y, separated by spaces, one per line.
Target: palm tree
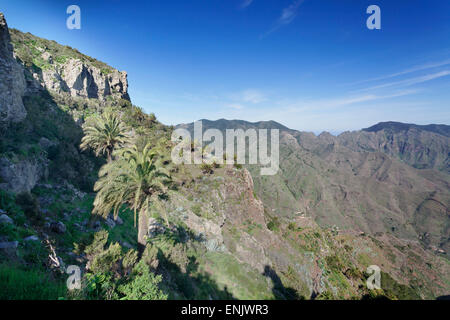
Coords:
pixel 104 133
pixel 137 178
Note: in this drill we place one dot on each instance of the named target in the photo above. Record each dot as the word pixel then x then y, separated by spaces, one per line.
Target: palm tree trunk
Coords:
pixel 142 231
pixel 109 156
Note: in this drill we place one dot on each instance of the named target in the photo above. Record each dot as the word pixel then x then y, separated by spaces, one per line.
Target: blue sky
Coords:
pixel 312 65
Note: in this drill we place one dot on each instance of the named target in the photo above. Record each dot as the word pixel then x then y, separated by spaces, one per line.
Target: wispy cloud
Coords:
pixel 289 13
pixel 410 81
pixel 235 106
pixel 408 71
pixel 323 104
pixel 287 16
pixel 246 3
pixel 253 96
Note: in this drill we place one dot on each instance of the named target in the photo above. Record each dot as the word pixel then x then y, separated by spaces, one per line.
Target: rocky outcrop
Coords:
pixel 9 245
pixel 58 227
pixel 21 176
pixel 4 219
pixel 154 228
pixel 84 81
pixel 66 71
pixel 12 80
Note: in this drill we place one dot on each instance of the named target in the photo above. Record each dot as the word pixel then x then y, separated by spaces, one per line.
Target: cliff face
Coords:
pixel 21 176
pixel 81 80
pixel 12 82
pixel 64 70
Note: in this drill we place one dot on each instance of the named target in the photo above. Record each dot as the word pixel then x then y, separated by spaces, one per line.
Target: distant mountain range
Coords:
pixel 421 146
pixel 391 177
pixel 397 127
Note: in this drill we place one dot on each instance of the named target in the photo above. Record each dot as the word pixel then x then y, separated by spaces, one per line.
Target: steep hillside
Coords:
pixel 423 147
pixel 355 187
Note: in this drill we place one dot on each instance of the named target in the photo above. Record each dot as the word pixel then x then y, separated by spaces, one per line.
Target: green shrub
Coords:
pixel 100 286
pixel 292 226
pixel 29 204
pixel 143 286
pixel 326 295
pixel 274 224
pixel 98 244
pixel 334 263
pixel 395 290
pixel 207 168
pixel 196 209
pixel 150 256
pixel 107 261
pixel 129 260
pixel 354 273
pixel 8 203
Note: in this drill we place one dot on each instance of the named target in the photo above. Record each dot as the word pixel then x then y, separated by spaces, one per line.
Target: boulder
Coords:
pixel 31 238
pixel 119 221
pixel 96 226
pixel 9 245
pixel 110 222
pixel 46 143
pixel 4 219
pixel 154 228
pixel 22 176
pixel 58 227
pixel 127 245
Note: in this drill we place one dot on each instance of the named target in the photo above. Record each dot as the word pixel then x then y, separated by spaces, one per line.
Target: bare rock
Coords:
pixel 46 143
pixel 127 245
pixel 119 221
pixel 12 80
pixel 6 219
pixel 58 227
pixel 31 238
pixel 154 228
pixel 84 81
pixel 110 222
pixel 9 245
pixel 23 175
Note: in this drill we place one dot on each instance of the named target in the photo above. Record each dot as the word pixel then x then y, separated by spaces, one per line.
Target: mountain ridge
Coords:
pixel 419 146
pixel 400 126
pixel 442 129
